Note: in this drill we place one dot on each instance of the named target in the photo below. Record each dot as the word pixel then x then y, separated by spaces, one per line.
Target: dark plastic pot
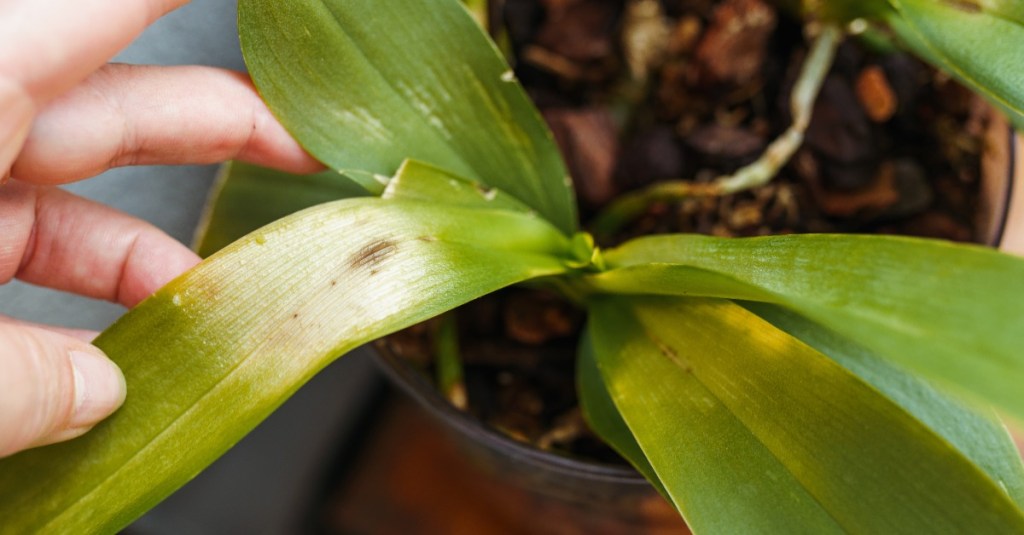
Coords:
pixel 588 497
pixel 1006 205
pixel 595 498
pixel 1001 212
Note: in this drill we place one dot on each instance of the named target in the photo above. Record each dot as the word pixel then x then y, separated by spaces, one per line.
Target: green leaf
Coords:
pixel 212 353
pixel 246 197
pixel 981 45
pixel 423 182
pixel 367 84
pixel 982 438
pixel 750 429
pixel 478 8
pixel 1012 10
pixel 371 183
pixel 978 434
pixel 950 312
pixel 604 418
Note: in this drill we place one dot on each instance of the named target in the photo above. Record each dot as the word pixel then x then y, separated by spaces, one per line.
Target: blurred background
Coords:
pixel 267 483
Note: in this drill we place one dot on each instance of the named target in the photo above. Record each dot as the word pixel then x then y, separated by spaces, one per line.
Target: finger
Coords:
pixel 52 238
pixel 52 387
pixel 46 47
pixel 84 335
pixel 16 110
pixel 127 115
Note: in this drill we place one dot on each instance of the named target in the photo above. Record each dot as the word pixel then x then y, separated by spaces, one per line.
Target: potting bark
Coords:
pixel 692 89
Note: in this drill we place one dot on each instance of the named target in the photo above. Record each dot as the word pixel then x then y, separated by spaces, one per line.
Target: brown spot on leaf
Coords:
pixel 668 351
pixel 485 191
pixel 373 254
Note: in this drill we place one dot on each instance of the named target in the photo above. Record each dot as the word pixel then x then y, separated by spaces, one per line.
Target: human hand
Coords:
pixel 66 115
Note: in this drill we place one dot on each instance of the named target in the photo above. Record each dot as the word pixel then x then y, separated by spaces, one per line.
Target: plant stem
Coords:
pixel 449 362
pixel 805 92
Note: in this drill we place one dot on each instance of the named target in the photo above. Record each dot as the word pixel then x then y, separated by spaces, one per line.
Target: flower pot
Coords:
pixel 565 495
pixel 1004 199
pixel 540 492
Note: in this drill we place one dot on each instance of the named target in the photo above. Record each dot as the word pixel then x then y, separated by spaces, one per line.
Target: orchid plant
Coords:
pixel 808 383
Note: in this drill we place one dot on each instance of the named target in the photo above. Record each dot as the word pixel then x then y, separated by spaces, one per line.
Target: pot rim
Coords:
pixel 417 385
pixel 1008 188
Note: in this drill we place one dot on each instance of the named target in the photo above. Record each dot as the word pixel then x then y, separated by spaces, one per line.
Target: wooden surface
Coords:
pixel 412 478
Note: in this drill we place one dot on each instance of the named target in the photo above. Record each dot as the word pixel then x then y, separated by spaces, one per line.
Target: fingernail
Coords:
pixel 15 122
pixel 99 388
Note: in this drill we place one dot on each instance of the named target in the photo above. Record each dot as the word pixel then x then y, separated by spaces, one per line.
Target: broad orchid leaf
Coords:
pixel 949 312
pixel 978 434
pixel 604 418
pixel 423 182
pixel 246 197
pixel 367 84
pixel 212 353
pixel 982 438
pixel 1012 10
pixel 478 8
pixel 746 427
pixel 980 42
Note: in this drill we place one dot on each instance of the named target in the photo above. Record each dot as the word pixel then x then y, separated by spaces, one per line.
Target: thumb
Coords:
pixel 52 387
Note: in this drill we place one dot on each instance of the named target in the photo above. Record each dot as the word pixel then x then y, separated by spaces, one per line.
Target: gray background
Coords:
pixel 265 483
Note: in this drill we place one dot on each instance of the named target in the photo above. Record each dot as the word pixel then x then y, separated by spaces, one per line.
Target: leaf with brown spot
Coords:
pixel 189 359
pixel 766 431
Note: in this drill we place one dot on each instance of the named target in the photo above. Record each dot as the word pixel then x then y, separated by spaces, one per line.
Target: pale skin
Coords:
pixel 66 115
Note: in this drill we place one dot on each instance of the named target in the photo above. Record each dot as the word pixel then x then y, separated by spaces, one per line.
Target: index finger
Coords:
pixel 47 46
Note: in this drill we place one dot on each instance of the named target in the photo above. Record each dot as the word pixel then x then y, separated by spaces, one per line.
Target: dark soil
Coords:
pixel 638 92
